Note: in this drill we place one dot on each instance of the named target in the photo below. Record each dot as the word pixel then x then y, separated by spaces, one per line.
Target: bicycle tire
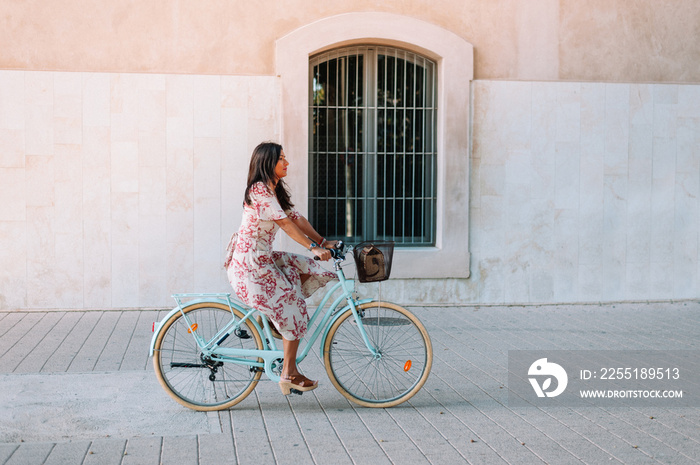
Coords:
pixel 385 381
pixel 183 372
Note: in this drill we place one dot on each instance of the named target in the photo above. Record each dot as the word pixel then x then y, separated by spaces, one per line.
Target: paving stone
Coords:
pixel 216 449
pixel 359 443
pixel 105 451
pixel 462 414
pixel 429 440
pixel 112 357
pixel 397 445
pixel 68 453
pixel 30 453
pixel 180 450
pixel 135 357
pixel 319 435
pixel 66 352
pixel 95 343
pixel 6 451
pixel 22 338
pixel 283 432
pixel 143 451
pixel 251 442
pixel 35 359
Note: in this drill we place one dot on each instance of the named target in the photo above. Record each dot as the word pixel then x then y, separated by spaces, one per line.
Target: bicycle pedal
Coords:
pixel 295 391
pixel 242 333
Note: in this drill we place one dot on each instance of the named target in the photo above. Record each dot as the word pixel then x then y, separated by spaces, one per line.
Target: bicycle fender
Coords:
pixel 338 315
pixel 159 325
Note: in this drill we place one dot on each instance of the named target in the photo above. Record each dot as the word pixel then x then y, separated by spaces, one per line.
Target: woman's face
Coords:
pixel 281 166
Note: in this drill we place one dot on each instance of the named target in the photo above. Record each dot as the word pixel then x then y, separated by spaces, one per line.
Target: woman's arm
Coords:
pixel 300 235
pixel 305 227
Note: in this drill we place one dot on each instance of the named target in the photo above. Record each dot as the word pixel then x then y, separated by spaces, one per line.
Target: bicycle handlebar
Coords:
pixel 337 252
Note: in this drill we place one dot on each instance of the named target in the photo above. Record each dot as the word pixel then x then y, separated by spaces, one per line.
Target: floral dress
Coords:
pixel 269 280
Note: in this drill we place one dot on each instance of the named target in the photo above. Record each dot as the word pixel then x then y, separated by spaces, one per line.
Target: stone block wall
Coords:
pixel 120 189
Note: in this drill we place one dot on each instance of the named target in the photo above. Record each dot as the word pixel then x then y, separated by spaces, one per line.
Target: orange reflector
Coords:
pixel 192 328
pixel 407 366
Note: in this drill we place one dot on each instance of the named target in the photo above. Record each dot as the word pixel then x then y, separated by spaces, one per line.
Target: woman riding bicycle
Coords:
pixel 276 283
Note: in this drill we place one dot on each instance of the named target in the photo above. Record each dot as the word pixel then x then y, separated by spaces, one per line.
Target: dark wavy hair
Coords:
pixel 262 169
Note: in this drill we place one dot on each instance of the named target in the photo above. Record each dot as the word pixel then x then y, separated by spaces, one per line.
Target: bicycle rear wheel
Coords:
pixel 396 373
pixel 194 380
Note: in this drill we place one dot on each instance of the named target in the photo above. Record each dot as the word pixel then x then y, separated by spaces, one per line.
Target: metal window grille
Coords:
pixel 373 158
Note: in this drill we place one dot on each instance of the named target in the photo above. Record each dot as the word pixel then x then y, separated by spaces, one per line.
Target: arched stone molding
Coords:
pixel 454 57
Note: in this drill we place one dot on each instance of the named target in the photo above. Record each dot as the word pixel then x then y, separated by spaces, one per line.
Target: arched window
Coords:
pixel 446 254
pixel 372 145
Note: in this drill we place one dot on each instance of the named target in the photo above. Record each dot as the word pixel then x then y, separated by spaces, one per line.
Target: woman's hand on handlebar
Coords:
pixel 321 253
pixel 330 244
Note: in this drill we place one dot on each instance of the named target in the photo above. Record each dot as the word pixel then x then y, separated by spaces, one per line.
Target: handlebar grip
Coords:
pixel 335 253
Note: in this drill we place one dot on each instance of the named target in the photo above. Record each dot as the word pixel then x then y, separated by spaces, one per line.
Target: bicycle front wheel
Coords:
pixel 397 371
pixel 194 380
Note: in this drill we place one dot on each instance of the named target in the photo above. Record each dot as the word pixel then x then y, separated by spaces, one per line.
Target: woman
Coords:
pixel 276 283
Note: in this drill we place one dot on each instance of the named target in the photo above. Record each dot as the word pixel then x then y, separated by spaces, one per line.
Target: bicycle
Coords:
pixel 210 351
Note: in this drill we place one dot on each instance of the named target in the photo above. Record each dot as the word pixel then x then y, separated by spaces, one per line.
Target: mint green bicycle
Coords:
pixel 210 351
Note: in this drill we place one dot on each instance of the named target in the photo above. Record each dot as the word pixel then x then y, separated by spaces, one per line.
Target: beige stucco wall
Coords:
pixel 599 40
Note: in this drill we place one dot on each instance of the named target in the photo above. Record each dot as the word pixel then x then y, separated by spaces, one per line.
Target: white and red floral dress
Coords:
pixel 269 280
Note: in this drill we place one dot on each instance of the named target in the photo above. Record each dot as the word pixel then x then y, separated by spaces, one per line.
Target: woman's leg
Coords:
pixel 291 378
pixel 289 367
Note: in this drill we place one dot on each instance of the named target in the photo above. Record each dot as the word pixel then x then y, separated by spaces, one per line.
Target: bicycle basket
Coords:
pixel 373 260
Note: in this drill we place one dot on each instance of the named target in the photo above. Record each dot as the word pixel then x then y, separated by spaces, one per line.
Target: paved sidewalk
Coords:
pixel 79 388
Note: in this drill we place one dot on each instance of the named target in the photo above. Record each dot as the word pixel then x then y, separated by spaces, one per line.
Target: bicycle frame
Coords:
pixel 270 352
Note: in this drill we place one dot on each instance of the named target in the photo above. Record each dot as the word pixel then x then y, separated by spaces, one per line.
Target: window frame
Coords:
pixel 450 257
pixel 367 149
